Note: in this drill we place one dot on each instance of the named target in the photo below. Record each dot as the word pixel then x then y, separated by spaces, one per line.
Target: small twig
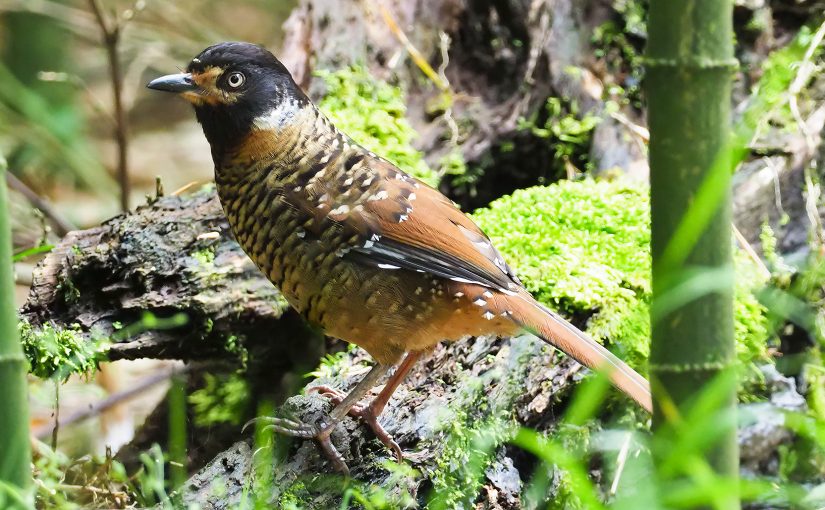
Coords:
pixel 112 400
pixel 746 246
pixel 642 132
pixel 117 495
pixel 804 72
pixel 90 489
pixel 56 427
pixel 62 226
pixel 777 186
pixel 187 186
pixel 620 464
pixel 812 194
pixel 111 39
pixel 416 55
pixel 444 46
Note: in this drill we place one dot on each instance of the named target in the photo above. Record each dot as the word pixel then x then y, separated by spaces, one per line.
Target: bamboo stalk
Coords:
pixel 15 456
pixel 689 64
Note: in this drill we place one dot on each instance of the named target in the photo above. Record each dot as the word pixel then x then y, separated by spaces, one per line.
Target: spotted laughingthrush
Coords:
pixel 361 249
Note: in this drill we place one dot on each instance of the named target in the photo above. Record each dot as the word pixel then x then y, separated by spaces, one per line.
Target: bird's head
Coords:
pixel 234 87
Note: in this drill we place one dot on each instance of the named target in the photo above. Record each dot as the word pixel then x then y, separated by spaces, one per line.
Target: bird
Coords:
pixel 361 249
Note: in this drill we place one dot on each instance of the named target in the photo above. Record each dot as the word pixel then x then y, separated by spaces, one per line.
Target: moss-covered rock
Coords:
pixel 584 248
pixel 373 113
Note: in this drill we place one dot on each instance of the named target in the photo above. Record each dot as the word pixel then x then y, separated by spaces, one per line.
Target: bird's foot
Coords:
pixel 367 414
pixel 320 433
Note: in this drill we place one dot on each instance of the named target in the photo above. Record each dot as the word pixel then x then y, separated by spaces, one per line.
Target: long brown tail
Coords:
pixel 551 328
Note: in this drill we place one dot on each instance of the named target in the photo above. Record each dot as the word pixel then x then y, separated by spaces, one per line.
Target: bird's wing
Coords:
pixel 403 223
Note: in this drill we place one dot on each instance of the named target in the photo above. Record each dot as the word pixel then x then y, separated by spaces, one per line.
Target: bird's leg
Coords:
pixel 370 413
pixel 321 432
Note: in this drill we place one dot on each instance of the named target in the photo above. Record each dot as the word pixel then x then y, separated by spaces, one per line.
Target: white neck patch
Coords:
pixel 279 117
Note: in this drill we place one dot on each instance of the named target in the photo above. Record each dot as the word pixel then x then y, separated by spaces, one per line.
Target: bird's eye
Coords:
pixel 235 80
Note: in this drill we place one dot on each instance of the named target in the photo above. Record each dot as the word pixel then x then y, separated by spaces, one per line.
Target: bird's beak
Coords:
pixel 178 83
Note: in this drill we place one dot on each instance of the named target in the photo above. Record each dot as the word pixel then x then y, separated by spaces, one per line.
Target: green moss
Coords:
pixel 235 345
pixel 71 294
pixel 476 424
pixel 372 112
pixel 468 452
pixel 205 256
pixel 567 129
pixel 453 163
pixel 618 44
pixel 223 399
pixel 59 353
pixel 584 248
pixel 334 365
pixel 294 496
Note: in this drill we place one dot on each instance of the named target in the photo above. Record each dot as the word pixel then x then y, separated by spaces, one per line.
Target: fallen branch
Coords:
pixel 111 401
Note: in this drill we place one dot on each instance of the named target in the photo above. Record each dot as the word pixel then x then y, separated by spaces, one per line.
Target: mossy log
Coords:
pixel 175 255
pixel 454 401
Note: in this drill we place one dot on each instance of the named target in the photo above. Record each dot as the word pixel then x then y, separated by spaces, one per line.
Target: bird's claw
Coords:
pixel 368 416
pixel 293 428
pixel 319 433
pixel 334 395
pixel 365 413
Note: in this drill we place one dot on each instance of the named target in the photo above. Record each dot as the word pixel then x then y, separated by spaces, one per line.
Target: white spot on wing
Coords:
pixel 388 266
pixel 479 302
pixel 381 195
pixel 488 315
pixel 487 294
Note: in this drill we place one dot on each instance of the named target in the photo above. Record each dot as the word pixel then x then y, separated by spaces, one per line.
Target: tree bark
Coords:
pixel 175 255
pixel 461 389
